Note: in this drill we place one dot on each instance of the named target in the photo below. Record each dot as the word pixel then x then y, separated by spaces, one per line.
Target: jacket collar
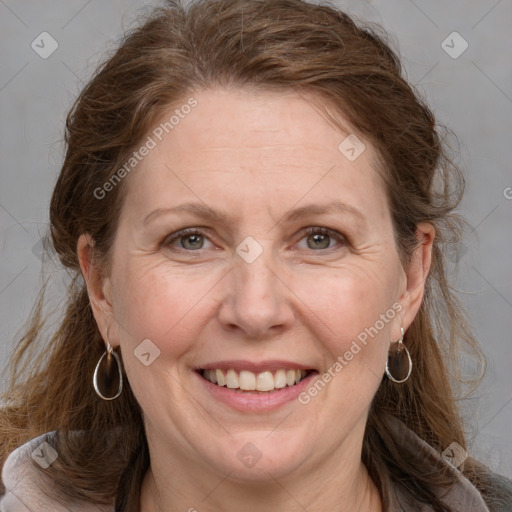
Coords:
pixel 463 495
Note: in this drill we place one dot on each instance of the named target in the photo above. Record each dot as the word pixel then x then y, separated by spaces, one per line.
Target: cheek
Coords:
pixel 354 304
pixel 357 314
pixel 159 316
pixel 338 306
pixel 163 306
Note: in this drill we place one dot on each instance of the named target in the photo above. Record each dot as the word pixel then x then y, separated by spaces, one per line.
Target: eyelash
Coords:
pixel 308 231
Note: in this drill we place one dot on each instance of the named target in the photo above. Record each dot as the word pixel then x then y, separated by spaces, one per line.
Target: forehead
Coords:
pixel 255 147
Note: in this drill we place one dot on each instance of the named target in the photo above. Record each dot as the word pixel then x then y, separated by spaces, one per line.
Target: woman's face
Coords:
pixel 250 293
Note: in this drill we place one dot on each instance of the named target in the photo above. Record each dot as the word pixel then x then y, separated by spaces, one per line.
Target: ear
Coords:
pixel 98 286
pixel 416 274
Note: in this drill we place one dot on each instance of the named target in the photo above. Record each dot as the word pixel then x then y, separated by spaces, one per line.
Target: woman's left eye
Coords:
pixel 193 239
pixel 321 237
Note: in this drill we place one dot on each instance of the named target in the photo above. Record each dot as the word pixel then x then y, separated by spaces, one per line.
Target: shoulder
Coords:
pixel 496 489
pixel 488 492
pixel 28 488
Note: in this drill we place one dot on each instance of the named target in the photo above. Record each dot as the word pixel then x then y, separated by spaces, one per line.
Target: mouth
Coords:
pixel 263 382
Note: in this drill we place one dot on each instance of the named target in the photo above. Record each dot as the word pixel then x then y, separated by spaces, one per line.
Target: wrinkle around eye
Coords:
pixel 339 240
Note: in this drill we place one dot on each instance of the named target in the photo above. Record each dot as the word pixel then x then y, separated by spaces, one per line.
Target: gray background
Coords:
pixel 471 94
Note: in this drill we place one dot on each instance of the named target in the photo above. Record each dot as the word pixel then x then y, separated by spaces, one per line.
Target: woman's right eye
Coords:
pixel 190 240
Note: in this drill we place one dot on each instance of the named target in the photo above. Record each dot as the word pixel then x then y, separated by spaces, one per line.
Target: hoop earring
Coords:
pixel 399 363
pixel 108 376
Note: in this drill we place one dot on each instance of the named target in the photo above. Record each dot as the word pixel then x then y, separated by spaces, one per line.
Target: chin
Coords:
pixel 256 456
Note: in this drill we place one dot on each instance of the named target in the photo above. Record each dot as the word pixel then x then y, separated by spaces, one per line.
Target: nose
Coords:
pixel 257 300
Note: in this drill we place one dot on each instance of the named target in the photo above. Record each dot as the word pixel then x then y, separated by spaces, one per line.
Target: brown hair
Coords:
pixel 276 44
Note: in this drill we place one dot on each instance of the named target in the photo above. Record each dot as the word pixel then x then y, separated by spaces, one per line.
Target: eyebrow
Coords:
pixel 203 211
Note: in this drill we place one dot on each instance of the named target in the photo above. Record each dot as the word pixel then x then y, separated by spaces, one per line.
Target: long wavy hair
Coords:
pixel 278 45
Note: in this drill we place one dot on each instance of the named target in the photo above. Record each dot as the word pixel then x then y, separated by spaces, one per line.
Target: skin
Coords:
pixel 256 156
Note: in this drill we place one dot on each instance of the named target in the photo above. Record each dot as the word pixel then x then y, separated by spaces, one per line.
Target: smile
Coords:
pixel 265 381
pixel 254 386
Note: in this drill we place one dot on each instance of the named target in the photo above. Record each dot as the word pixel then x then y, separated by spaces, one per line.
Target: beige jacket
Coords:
pixel 27 491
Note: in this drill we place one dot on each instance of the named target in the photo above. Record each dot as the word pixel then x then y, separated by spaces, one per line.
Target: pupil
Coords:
pixel 319 238
pixel 194 238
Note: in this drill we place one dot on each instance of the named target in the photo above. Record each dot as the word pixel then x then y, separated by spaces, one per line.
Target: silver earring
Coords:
pixel 399 363
pixel 108 376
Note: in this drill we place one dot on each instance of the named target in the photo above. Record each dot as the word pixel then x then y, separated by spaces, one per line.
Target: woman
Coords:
pixel 260 317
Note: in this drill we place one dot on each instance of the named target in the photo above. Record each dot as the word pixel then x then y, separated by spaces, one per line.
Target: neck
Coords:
pixel 339 491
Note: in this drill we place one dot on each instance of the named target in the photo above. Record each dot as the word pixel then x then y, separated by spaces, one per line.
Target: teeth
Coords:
pixel 231 379
pixel 280 379
pixel 249 381
pixel 265 381
pixel 221 381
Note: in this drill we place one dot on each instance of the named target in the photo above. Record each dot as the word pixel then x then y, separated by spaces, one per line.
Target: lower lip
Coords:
pixel 257 401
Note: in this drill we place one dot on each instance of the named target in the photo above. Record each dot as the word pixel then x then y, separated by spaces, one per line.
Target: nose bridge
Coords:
pixel 255 299
pixel 255 273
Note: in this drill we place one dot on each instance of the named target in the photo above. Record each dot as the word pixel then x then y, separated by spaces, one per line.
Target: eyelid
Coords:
pixel 202 231
pixel 323 230
pixel 182 233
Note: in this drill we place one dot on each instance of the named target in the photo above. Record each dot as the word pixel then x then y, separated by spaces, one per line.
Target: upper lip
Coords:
pixel 255 367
